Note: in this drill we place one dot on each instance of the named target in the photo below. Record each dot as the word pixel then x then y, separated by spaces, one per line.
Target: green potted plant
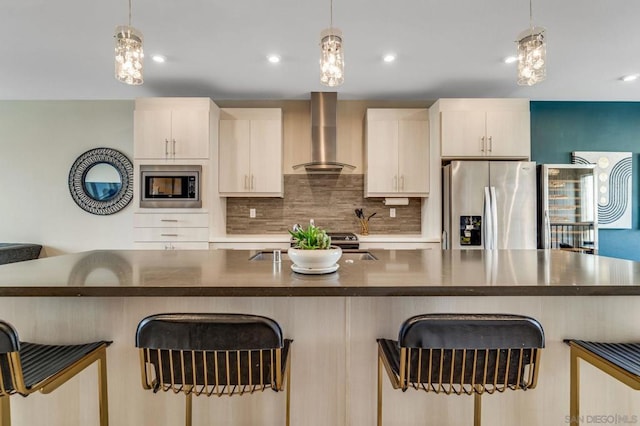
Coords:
pixel 312 249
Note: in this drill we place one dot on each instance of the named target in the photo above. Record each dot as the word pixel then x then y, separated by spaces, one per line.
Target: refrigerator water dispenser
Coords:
pixel 470 230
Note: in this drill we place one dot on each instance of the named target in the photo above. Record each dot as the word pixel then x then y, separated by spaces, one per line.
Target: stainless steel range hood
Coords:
pixel 324 112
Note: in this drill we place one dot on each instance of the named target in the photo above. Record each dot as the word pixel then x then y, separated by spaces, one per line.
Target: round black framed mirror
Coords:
pixel 101 181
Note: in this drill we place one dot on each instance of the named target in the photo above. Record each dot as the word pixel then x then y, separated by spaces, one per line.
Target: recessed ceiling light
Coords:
pixel 510 59
pixel 389 57
pixel 631 77
pixel 274 59
pixel 159 59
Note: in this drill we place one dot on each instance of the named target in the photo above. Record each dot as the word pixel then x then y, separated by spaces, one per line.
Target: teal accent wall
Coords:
pixel 558 128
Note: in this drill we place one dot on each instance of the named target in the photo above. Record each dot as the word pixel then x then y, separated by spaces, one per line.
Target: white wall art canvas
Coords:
pixel 613 180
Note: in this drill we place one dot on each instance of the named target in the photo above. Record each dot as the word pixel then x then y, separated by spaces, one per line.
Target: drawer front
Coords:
pixel 399 245
pixel 250 245
pixel 171 234
pixel 170 220
pixel 172 245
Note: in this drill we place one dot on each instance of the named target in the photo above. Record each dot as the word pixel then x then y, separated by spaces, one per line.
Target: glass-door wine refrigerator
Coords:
pixel 567 207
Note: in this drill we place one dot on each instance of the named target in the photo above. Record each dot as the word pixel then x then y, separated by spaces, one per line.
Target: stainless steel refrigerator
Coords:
pixel 489 205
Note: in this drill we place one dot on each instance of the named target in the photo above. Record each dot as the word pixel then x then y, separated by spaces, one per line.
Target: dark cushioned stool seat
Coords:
pixel 213 354
pixel 623 355
pixel 31 367
pixel 620 360
pixel 462 354
pixel 39 362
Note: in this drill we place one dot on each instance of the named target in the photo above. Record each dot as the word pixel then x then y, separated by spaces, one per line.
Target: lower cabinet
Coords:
pixel 171 231
pixel 172 245
pixel 399 245
pixel 251 245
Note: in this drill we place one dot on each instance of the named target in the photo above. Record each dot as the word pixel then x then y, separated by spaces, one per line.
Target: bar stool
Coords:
pixel 462 353
pixel 619 360
pixel 30 367
pixel 213 354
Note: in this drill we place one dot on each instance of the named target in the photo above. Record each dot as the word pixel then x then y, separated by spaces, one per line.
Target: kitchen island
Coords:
pixel 334 320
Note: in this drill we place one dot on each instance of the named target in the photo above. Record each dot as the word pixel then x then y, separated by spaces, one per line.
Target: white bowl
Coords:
pixel 315 259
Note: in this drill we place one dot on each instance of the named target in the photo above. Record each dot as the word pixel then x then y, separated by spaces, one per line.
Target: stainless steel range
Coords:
pixel 344 240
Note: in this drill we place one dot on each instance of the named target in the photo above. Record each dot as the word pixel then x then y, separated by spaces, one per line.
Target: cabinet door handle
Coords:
pixel 246 182
pixel 166 147
pixel 174 147
pixel 168 235
pixel 402 182
pixel 490 143
pixel 482 144
pixel 168 220
pixel 253 180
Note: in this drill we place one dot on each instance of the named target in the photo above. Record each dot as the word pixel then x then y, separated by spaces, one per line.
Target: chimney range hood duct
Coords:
pixel 324 112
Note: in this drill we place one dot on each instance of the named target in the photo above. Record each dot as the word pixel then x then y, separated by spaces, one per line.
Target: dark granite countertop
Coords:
pixel 116 273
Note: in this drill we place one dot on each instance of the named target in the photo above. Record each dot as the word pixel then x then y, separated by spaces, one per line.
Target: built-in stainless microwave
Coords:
pixel 170 186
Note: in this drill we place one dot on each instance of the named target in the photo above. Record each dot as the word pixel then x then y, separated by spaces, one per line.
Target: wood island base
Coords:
pixel 333 365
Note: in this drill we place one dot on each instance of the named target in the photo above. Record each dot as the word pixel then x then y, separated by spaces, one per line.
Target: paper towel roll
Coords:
pixel 396 201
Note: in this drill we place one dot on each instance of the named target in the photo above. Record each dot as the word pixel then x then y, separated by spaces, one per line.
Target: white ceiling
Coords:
pixel 63 49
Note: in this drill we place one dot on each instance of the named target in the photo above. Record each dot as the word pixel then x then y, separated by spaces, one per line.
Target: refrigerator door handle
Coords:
pixel 488 221
pixel 494 218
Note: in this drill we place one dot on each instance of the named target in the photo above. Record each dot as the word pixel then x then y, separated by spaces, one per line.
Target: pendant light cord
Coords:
pixel 530 14
pixel 129 12
pixel 331 15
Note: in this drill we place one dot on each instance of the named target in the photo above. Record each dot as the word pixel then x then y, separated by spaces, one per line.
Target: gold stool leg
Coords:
pixel 477 409
pixel 102 391
pixel 288 414
pixel 5 411
pixel 574 391
pixel 379 391
pixel 188 410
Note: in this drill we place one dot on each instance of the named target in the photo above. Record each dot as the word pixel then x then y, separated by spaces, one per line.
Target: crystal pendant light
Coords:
pixel 532 54
pixel 129 56
pixel 331 55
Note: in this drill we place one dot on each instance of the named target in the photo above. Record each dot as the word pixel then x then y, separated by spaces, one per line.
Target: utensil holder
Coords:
pixel 364 227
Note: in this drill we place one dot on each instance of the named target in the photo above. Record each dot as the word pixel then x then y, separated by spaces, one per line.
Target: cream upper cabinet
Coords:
pixel 509 133
pixel 382 161
pixel 234 164
pixel 397 153
pixel 494 128
pixel 251 149
pixel 172 128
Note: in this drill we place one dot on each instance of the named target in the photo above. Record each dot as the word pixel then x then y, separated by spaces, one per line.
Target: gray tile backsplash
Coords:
pixel 328 199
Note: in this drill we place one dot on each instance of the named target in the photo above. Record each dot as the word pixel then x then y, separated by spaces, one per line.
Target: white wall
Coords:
pixel 39 141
